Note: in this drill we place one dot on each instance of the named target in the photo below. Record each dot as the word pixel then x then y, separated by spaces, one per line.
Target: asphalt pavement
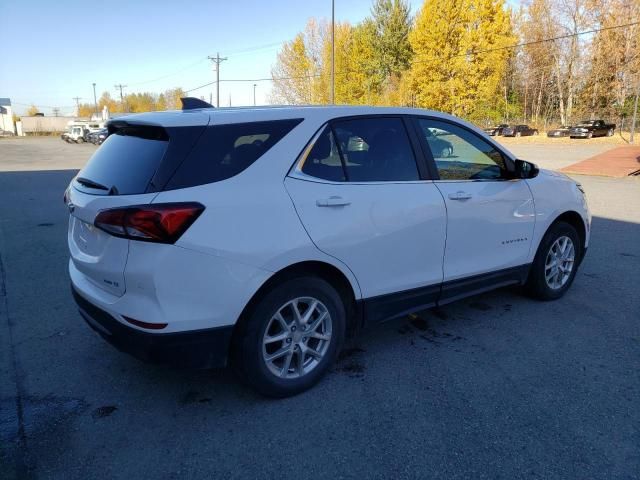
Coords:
pixel 494 386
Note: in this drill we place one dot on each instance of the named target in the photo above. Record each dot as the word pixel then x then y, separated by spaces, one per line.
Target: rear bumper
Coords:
pixel 206 348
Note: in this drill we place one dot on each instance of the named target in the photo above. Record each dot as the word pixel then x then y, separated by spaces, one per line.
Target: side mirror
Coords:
pixel 526 169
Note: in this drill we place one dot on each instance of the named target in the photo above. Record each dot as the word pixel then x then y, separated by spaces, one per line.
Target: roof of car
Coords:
pixel 265 113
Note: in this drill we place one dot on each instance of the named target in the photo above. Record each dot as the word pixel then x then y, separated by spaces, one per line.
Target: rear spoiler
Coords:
pixel 191 103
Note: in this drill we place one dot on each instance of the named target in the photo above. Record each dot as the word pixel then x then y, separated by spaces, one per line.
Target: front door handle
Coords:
pixel 333 202
pixel 460 196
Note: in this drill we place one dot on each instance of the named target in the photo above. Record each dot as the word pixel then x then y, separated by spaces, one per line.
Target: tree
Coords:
pixel 112 105
pixel 460 55
pixel 299 68
pixel 32 110
pixel 360 78
pixel 391 20
pixel 172 98
pixel 86 109
pixel 612 75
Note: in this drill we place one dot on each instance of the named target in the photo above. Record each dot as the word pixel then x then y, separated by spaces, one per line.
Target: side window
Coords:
pixel 224 151
pixel 460 154
pixel 375 150
pixel 323 160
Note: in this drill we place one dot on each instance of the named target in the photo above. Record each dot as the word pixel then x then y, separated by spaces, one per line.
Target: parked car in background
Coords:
pixel 519 131
pixel 98 136
pixel 496 131
pixel 592 128
pixel 75 134
pixel 357 215
pixel 561 131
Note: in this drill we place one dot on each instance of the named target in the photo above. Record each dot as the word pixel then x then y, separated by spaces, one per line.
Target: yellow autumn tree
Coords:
pixel 459 55
pixel 86 110
pixel 32 110
pixel 298 67
pixel 112 105
pixel 358 79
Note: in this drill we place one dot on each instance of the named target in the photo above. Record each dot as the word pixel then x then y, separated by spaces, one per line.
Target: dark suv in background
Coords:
pixel 519 131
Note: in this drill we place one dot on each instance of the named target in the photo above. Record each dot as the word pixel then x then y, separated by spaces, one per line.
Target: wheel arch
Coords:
pixel 574 219
pixel 328 272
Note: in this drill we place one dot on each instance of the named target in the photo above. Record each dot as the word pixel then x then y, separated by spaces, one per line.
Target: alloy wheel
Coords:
pixel 559 262
pixel 297 338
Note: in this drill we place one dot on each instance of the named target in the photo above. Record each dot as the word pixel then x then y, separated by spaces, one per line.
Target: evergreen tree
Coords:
pixel 392 22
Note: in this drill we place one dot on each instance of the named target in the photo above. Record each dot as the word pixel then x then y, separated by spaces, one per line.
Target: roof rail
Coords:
pixel 191 103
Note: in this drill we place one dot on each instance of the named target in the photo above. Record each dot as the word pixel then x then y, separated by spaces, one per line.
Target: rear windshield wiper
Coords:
pixel 98 186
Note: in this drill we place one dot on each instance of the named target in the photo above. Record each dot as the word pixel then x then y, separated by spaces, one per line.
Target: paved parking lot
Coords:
pixel 495 386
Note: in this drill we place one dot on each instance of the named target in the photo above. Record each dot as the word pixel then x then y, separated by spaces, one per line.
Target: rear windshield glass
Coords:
pixel 226 150
pixel 126 161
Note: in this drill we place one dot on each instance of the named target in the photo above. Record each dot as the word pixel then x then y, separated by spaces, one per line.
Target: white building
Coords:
pixel 6 115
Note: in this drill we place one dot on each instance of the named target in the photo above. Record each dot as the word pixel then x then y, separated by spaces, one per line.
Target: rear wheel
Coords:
pixel 590 135
pixel 292 337
pixel 556 262
pixel 518 134
pixel 610 132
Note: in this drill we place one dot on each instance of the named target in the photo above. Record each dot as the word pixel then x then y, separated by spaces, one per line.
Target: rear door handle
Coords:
pixel 460 196
pixel 332 202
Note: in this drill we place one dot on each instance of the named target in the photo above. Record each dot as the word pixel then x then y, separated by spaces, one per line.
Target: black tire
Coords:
pixel 536 285
pixel 518 134
pixel 247 352
pixel 590 135
pixel 610 132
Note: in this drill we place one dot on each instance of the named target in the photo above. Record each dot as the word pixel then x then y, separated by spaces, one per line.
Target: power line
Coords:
pixel 204 59
pixel 40 106
pixel 234 53
pixel 306 77
pixel 534 42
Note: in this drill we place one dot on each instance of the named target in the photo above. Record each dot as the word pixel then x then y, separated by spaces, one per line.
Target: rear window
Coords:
pixel 126 161
pixel 226 150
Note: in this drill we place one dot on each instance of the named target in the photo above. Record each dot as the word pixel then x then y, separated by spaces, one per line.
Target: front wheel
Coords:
pixel 610 132
pixel 292 337
pixel 518 134
pixel 556 262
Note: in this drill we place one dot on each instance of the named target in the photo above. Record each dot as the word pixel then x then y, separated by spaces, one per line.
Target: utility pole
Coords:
pixel 217 60
pixel 77 99
pixel 254 94
pixel 56 111
pixel 333 53
pixel 120 87
pixel 95 99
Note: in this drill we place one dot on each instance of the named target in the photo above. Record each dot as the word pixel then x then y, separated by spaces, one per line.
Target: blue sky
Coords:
pixel 57 49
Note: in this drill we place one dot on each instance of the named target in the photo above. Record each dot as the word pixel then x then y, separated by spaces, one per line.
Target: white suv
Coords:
pixel 263 236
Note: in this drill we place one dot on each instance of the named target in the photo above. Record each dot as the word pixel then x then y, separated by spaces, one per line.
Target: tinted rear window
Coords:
pixel 226 150
pixel 127 160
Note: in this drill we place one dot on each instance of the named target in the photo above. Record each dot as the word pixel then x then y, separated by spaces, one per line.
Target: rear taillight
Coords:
pixel 162 223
